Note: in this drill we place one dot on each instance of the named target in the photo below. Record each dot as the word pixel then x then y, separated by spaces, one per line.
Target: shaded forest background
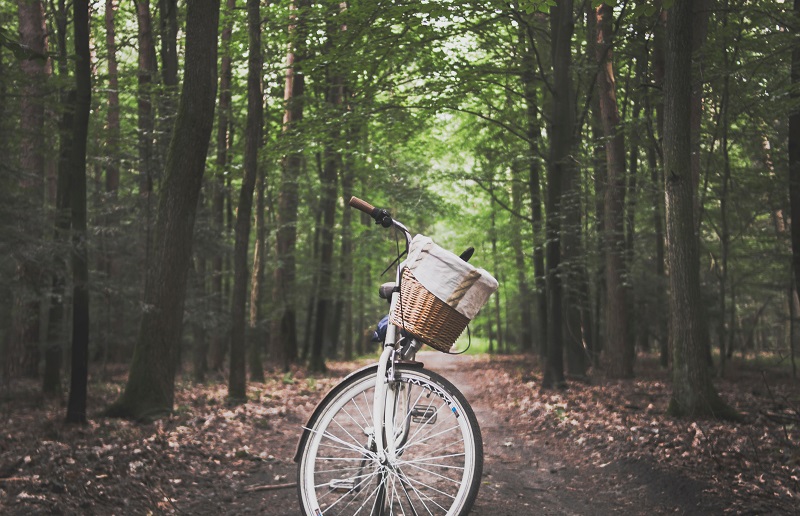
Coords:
pixel 537 131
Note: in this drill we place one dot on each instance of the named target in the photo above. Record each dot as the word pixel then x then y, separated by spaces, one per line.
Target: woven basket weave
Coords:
pixel 426 316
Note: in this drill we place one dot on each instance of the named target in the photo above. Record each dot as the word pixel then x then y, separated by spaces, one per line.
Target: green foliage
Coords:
pixel 435 126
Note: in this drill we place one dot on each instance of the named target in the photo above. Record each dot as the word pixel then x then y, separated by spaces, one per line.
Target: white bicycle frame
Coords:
pixel 384 408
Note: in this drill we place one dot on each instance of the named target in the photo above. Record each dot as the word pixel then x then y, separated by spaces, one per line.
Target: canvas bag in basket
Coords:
pixel 439 294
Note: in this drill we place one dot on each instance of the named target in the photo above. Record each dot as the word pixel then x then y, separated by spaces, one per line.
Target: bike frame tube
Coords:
pixel 382 417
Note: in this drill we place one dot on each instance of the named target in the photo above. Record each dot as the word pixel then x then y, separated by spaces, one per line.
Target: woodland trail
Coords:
pixel 595 450
pixel 528 474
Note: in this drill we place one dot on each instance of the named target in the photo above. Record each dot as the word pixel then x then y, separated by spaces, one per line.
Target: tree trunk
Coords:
pixel 146 118
pixel 346 268
pixel 257 335
pixel 700 15
pixel 724 229
pixel 151 382
pixel 219 345
pixel 35 69
pixel 530 321
pixel 525 315
pixel 598 173
pixel 618 351
pixel 109 264
pixel 288 201
pixel 328 187
pixel 794 161
pixel 168 31
pixel 657 180
pixel 501 338
pixel 76 406
pixel 532 135
pixel 54 348
pixel 238 378
pixel 693 394
pixel 561 147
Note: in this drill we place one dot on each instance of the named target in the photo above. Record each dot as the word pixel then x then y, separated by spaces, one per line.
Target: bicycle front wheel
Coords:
pixel 435 470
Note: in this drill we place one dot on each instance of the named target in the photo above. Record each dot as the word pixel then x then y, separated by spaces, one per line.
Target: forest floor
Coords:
pixel 599 447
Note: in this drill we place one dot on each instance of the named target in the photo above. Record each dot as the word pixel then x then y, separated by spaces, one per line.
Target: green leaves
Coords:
pixel 533 6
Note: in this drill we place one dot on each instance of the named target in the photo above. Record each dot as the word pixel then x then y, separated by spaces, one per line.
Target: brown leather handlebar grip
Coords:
pixel 364 206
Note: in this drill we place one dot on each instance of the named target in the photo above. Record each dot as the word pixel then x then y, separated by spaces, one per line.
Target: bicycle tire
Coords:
pixel 440 459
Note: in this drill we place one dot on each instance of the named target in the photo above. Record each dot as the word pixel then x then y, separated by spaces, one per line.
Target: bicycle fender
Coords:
pixel 314 415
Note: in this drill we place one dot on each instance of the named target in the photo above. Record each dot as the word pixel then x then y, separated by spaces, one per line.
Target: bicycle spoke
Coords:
pixel 426 459
pixel 419 493
pixel 427 438
pixel 434 474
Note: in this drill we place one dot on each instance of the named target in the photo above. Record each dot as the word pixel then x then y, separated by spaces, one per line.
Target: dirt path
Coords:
pixel 595 449
pixel 531 474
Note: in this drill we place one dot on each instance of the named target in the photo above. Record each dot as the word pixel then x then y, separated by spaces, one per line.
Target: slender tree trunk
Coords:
pixel 219 345
pixel 637 306
pixel 168 31
pixel 657 180
pixel 237 385
pixel 693 394
pixel 493 237
pixel 146 118
pixel 530 321
pixel 597 291
pixel 200 351
pixel 288 201
pixel 700 15
pixel 724 229
pixel 525 315
pixel 54 348
pixel 328 185
pixel 619 356
pixel 257 334
pixel 110 264
pixel 346 290
pixel 151 382
pixel 794 160
pixel 76 406
pixel 561 146
pixel 793 304
pixel 532 135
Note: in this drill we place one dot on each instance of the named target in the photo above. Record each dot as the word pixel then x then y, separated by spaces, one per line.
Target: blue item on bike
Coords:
pixel 379 335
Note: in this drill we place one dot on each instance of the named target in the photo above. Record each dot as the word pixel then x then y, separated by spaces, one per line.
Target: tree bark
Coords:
pixel 76 406
pixel 24 354
pixel 54 347
pixel 657 179
pixel 151 382
pixel 599 173
pixel 618 351
pixel 146 118
pixel 237 384
pixel 221 340
pixel 693 394
pixel 794 160
pixel 293 162
pixel 168 32
pixel 328 186
pixel 501 337
pixel 532 135
pixel 561 147
pixel 257 335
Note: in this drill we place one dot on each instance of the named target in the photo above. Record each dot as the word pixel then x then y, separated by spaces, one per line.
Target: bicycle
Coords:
pixel 425 456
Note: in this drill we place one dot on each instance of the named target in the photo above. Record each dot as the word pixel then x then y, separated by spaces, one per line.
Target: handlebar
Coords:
pixel 380 215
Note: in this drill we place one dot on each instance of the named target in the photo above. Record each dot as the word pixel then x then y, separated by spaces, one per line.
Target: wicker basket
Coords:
pixel 425 316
